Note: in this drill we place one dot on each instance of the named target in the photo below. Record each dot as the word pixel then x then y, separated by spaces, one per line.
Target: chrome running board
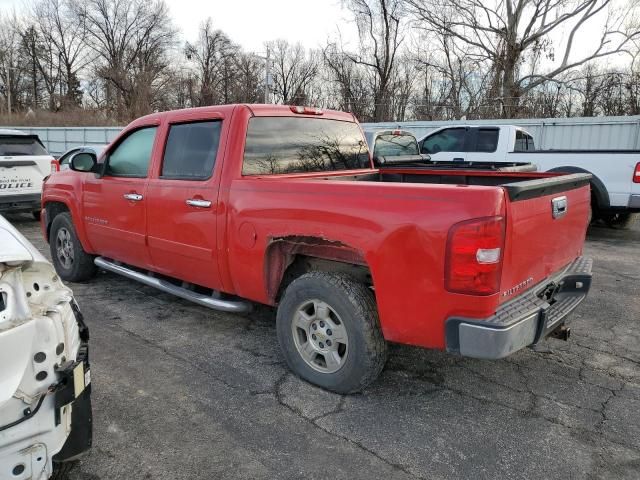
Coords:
pixel 234 306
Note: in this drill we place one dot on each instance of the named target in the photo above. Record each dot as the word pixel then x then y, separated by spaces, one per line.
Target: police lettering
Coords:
pixel 8 186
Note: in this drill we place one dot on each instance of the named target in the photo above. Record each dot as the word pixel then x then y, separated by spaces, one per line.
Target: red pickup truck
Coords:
pixel 229 205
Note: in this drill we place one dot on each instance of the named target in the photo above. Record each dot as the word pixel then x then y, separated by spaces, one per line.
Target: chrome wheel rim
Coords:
pixel 64 247
pixel 320 336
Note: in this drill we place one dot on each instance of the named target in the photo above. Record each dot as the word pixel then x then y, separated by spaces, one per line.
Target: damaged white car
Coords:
pixel 45 403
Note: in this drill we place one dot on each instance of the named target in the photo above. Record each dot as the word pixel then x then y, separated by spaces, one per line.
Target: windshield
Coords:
pixel 16 145
pixel 301 144
pixel 389 145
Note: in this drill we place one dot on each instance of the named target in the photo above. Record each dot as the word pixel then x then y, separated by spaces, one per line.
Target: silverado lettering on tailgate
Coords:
pixel 518 287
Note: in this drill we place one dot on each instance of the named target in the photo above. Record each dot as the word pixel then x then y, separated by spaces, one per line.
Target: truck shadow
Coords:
pixel 602 233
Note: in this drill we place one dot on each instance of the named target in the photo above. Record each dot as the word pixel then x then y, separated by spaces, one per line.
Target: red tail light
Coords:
pixel 636 174
pixel 55 166
pixel 473 264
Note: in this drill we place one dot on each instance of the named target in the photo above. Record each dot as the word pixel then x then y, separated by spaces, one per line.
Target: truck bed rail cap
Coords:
pixel 546 186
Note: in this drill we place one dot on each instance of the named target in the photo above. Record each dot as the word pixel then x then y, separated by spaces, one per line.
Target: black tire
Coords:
pixel 61 470
pixel 620 221
pixel 82 267
pixel 36 215
pixel 355 306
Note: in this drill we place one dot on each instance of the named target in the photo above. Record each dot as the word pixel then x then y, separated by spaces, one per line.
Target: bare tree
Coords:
pixel 12 68
pixel 293 71
pixel 506 32
pixel 130 40
pixel 379 25
pixel 64 52
pixel 458 81
pixel 213 56
pixel 249 74
pixel 31 49
pixel 349 88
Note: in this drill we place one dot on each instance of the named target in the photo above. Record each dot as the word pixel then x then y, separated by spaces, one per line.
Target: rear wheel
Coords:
pixel 620 220
pixel 69 258
pixel 329 332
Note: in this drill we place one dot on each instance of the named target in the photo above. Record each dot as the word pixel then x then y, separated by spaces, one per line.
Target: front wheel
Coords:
pixel 70 260
pixel 329 332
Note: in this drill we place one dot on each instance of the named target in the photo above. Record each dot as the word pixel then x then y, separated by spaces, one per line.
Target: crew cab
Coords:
pixel 45 381
pixel 232 205
pixel 615 174
pixel 24 162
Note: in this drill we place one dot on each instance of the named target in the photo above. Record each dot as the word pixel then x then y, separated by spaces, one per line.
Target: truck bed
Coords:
pixel 533 230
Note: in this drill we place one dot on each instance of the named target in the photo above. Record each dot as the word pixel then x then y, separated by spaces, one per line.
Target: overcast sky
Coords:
pixel 250 23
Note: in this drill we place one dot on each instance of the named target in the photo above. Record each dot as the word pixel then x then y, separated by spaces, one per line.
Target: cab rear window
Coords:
pixel 277 145
pixel 17 145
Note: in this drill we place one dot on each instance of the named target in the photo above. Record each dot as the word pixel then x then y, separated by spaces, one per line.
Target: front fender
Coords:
pixel 73 206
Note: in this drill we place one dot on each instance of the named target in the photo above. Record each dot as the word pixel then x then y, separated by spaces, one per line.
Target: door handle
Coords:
pixel 458 159
pixel 199 203
pixel 135 197
pixel 559 206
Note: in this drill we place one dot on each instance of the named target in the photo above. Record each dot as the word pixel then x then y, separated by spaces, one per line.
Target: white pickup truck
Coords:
pixel 615 186
pixel 24 162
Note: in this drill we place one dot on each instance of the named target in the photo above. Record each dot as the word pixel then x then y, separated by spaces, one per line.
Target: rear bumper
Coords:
pixel 525 320
pixel 634 202
pixel 20 203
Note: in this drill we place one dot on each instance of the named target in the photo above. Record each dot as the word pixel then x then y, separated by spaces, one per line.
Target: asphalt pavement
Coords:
pixel 184 392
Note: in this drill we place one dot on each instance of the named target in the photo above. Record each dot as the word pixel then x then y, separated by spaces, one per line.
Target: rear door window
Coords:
pixel 524 142
pixel 191 150
pixel 486 140
pixel 19 145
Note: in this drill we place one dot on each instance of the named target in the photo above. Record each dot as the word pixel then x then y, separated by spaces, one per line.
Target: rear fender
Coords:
pixel 282 251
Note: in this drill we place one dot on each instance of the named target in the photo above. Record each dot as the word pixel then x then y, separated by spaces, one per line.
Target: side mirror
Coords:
pixel 83 162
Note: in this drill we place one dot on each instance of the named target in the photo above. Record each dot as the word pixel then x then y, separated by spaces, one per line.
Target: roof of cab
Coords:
pixel 258 110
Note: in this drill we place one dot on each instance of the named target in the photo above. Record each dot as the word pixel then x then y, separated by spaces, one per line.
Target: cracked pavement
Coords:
pixel 183 392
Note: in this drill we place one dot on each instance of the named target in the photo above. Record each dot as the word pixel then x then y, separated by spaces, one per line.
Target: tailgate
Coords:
pixel 22 176
pixel 547 221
